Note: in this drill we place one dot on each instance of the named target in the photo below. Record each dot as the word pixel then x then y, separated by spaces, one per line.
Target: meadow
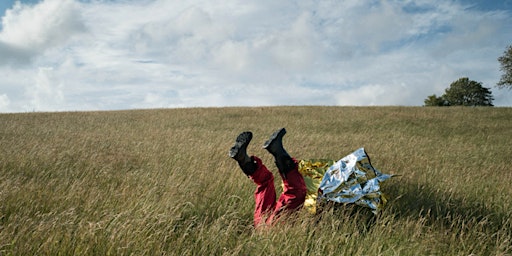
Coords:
pixel 160 182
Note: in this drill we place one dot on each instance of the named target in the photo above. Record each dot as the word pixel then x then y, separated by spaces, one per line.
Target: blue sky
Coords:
pixel 67 55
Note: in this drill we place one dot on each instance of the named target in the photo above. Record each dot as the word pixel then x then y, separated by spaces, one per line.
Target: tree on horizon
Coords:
pixel 506 67
pixel 463 92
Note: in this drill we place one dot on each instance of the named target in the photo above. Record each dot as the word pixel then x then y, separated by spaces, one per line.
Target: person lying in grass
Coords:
pixel 351 180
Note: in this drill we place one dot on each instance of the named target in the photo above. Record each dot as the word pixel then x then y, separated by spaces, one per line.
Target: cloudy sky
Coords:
pixel 67 55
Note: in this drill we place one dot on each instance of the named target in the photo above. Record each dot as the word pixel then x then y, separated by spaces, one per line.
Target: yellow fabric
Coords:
pixel 313 171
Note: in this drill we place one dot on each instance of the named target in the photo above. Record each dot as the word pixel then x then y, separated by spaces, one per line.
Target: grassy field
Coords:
pixel 160 182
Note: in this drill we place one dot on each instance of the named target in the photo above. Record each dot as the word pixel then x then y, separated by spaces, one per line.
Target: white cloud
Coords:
pixel 29 30
pixel 46 93
pixel 371 95
pixel 72 55
pixel 4 102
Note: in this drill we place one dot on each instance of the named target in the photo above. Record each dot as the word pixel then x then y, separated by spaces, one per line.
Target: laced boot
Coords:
pixel 274 145
pixel 239 153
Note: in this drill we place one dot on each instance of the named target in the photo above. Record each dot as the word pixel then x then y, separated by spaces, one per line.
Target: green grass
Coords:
pixel 160 182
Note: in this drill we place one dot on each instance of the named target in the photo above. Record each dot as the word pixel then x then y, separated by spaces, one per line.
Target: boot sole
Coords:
pixel 277 134
pixel 242 141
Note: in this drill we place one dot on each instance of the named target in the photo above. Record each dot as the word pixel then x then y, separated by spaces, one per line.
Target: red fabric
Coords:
pixel 267 209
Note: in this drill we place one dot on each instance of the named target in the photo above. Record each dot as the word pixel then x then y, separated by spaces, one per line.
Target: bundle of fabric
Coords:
pixel 351 180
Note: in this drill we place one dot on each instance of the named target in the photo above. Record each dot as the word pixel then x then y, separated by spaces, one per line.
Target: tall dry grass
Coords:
pixel 150 182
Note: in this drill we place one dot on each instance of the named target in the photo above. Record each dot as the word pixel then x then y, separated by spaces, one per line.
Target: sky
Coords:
pixel 87 55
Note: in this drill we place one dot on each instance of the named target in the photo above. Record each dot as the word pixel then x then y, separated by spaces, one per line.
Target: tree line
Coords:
pixel 466 92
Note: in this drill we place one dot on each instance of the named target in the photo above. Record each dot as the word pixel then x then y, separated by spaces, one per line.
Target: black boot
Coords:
pixel 239 153
pixel 274 145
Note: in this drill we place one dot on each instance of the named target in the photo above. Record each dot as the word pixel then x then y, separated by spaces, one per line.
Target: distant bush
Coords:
pixel 463 92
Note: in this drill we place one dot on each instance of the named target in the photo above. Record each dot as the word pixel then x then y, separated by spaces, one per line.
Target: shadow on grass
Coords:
pixel 415 201
pixel 408 200
pixel 363 216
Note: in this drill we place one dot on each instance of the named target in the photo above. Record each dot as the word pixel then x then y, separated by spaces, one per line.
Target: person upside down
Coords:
pixel 352 179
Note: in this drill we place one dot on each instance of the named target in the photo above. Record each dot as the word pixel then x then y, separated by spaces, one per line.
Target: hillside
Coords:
pixel 149 182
